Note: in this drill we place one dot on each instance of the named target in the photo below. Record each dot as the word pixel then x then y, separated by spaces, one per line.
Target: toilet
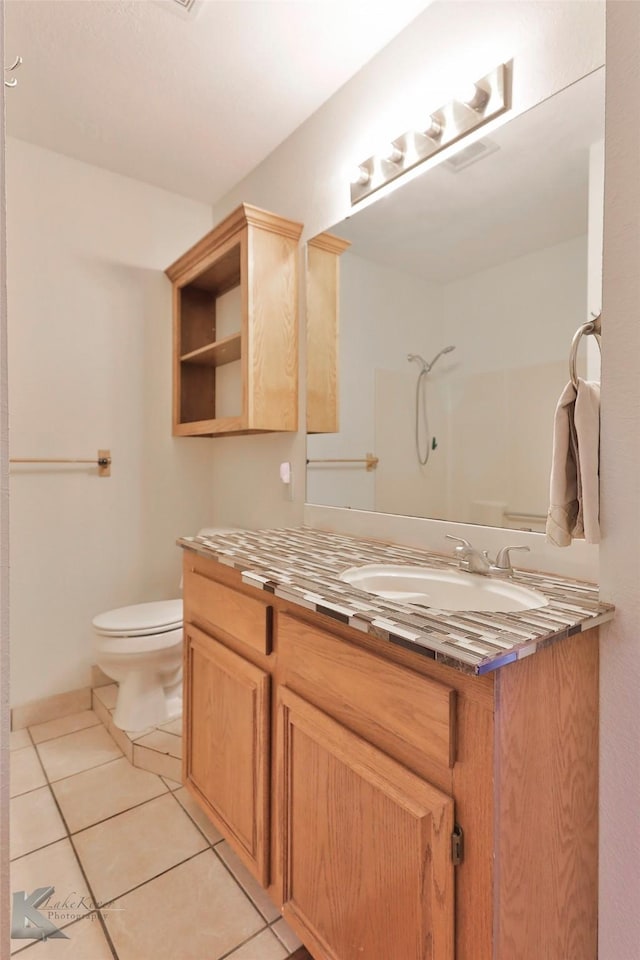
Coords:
pixel 141 648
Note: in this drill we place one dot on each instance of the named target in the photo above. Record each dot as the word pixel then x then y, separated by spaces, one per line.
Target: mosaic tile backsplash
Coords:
pixel 303 566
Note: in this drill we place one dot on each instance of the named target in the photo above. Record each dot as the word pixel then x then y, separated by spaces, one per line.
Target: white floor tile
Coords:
pixel 86 941
pixel 19 739
pixel 208 915
pixel 104 791
pixel 58 728
pixel 25 771
pixel 135 846
pixel 34 821
pixel 77 751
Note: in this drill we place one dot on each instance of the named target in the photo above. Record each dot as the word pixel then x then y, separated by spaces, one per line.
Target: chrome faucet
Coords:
pixel 473 561
pixel 469 558
pixel 502 566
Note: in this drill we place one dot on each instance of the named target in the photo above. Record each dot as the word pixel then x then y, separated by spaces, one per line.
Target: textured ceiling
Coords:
pixel 191 103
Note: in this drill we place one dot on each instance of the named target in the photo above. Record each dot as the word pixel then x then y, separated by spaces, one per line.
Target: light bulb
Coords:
pixel 360 176
pixel 391 153
pixel 472 95
pixel 434 129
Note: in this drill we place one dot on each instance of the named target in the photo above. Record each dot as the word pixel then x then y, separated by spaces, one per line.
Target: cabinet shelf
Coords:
pixel 216 354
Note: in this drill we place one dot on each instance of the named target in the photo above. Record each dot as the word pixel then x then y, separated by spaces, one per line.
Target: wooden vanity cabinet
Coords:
pixel 235 297
pixel 391 806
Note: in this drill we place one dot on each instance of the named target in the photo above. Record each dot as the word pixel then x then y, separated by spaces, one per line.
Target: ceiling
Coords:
pixel 188 102
pixel 531 193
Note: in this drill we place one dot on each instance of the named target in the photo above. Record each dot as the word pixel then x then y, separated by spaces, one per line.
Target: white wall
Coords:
pixel 90 366
pixel 619 920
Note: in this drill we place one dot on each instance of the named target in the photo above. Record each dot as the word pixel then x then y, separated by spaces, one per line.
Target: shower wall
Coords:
pixel 513 325
pixel 492 401
pixel 385 315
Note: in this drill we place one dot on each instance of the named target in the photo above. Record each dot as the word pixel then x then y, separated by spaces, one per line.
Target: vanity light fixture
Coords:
pixel 478 103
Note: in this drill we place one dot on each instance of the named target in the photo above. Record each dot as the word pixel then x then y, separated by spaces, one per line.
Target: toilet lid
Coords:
pixel 141 619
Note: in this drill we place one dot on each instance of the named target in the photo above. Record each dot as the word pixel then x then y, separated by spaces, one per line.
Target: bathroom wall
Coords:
pixel 90 366
pixel 619 921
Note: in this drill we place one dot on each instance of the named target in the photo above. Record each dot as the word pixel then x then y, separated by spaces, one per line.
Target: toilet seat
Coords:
pixel 140 620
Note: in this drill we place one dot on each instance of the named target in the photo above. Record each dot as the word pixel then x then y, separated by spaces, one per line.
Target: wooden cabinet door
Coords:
pixel 366 845
pixel 226 764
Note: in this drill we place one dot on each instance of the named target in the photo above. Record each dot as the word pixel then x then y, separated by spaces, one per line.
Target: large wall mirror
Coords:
pixel 458 300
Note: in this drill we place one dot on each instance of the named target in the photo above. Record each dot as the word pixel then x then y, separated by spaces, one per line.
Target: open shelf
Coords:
pixel 216 354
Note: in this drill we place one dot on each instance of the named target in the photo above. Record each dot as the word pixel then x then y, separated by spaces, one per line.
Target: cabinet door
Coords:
pixel 226 762
pixel 366 845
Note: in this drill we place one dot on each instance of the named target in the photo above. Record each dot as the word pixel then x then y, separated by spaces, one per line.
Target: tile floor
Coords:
pixel 107 834
pixel 158 750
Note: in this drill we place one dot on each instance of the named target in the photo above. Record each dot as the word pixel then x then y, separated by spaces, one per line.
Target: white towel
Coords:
pixel 574 501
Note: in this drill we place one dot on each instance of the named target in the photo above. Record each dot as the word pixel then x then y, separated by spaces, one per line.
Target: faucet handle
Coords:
pixel 463 543
pixel 503 560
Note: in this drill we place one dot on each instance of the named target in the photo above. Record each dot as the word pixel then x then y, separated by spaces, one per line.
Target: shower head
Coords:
pixel 426 367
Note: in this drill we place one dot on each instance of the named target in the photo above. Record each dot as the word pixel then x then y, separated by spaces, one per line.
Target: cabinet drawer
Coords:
pixel 226 609
pixel 406 714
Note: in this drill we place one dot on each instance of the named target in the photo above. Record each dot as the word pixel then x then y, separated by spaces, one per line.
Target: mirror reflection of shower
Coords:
pixel 421 407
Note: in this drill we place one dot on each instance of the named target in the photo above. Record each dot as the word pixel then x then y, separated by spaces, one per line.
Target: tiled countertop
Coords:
pixel 303 566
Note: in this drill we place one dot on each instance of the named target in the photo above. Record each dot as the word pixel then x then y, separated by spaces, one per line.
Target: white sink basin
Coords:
pixel 443 589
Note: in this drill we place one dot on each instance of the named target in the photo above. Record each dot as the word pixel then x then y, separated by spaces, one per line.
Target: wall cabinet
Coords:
pixel 323 324
pixel 235 292
pixel 392 806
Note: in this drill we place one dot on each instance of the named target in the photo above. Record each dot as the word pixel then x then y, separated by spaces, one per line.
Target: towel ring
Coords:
pixel 591 327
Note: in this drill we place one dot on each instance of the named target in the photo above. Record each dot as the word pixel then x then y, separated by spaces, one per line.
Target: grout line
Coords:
pixel 94 767
pixel 161 753
pixel 126 893
pixel 35 942
pixel 243 943
pixel 119 813
pixel 238 884
pixel 185 811
pixel 42 847
pixel 59 736
pixel 106 763
pixel 32 790
pixel 78 861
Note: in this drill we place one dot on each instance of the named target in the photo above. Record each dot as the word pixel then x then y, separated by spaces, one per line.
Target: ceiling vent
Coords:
pixel 471 154
pixel 183 8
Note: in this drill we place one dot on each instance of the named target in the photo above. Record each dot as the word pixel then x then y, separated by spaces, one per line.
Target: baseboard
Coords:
pixel 50 708
pixel 99 677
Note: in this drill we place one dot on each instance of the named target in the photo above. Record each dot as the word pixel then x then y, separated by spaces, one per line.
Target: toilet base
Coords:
pixel 149 686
